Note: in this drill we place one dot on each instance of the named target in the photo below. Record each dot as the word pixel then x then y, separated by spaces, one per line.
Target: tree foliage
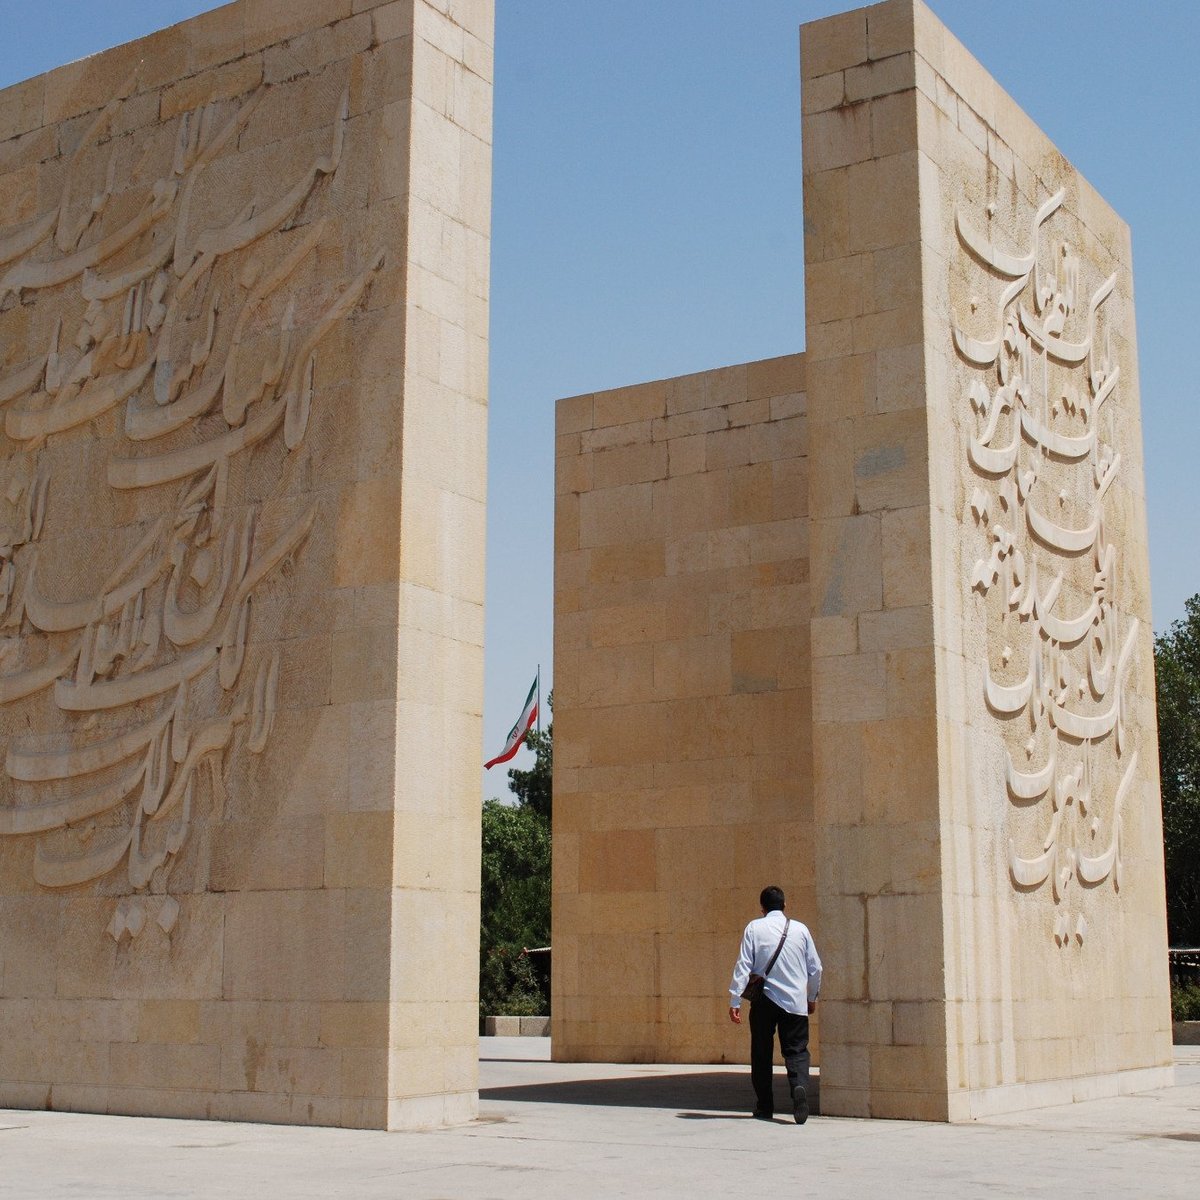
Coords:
pixel 1177 676
pixel 534 788
pixel 515 879
pixel 515 889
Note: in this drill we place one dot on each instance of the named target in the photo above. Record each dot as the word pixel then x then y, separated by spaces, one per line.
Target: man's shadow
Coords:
pixel 699 1096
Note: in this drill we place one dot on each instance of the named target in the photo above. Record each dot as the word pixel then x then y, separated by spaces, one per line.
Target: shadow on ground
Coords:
pixel 698 1096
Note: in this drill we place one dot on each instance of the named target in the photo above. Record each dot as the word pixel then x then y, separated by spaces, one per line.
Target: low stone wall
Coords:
pixel 516 1026
pixel 1186 1033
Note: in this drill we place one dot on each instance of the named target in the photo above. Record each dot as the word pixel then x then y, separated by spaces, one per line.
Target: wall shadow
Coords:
pixel 698 1095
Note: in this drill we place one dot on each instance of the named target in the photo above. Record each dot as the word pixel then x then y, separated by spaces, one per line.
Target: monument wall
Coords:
pixel 243 348
pixel 681 718
pixel 989 861
pixel 969 793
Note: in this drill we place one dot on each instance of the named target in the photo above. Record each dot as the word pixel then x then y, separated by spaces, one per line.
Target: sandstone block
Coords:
pixel 270 479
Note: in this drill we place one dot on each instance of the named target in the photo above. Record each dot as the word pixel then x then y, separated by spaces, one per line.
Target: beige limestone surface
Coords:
pixel 989 859
pixel 967 794
pixel 243 347
pixel 681 702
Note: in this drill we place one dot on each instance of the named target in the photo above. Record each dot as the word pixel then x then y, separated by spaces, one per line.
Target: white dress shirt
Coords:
pixel 795 979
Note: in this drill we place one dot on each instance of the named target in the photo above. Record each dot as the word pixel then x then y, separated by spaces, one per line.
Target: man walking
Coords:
pixel 782 953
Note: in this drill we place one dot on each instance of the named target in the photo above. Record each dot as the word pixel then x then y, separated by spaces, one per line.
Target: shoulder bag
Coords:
pixel 754 986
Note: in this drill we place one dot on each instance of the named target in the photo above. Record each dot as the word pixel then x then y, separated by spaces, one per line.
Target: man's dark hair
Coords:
pixel 771 898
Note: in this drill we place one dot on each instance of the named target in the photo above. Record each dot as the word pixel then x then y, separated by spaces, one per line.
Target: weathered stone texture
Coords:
pixel 682 701
pixel 243 329
pixel 977 521
pixel 968 793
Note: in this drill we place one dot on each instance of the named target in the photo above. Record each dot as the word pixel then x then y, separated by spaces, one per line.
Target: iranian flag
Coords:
pixel 516 735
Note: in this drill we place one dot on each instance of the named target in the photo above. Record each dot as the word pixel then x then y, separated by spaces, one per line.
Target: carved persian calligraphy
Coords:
pixel 164 314
pixel 1039 384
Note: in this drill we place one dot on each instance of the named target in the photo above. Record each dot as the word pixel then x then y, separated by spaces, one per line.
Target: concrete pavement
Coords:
pixel 582 1131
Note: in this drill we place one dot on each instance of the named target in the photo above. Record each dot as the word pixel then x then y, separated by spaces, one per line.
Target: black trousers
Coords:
pixel 765 1018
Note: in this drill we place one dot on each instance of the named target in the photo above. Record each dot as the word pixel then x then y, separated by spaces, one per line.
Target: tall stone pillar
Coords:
pixel 989 854
pixel 243 348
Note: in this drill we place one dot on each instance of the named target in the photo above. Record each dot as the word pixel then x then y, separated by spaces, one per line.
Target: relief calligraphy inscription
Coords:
pixel 1039 383
pixel 161 312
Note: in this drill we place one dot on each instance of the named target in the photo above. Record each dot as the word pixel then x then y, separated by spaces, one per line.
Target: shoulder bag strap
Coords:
pixel 767 968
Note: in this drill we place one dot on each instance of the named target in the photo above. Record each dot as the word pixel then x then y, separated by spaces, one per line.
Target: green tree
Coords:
pixel 534 788
pixel 1177 678
pixel 515 889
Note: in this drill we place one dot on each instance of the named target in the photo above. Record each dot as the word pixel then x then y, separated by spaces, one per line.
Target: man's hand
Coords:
pixel 735 1015
pixel 812 1007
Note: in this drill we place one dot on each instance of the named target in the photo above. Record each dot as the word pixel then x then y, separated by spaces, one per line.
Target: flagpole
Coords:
pixel 539 697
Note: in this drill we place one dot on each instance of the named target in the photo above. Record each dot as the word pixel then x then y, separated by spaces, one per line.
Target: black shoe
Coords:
pixel 761 1114
pixel 800 1105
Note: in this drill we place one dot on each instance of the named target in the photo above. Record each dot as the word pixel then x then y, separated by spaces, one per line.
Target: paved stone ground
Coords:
pixel 582 1131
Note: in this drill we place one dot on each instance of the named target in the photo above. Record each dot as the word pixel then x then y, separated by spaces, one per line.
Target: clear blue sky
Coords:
pixel 647 222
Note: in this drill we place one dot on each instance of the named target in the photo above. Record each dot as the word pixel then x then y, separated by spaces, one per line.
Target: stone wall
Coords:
pixel 243 322
pixel 969 793
pixel 682 751
pixel 989 857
